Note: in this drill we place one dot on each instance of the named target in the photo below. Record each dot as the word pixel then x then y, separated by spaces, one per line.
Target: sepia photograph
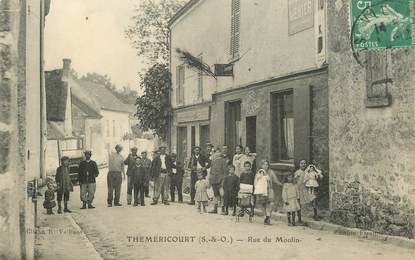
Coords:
pixel 207 129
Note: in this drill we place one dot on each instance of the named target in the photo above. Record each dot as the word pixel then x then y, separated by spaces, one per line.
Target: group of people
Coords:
pixel 214 176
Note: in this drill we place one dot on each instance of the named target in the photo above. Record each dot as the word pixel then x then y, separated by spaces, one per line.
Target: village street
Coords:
pixel 116 234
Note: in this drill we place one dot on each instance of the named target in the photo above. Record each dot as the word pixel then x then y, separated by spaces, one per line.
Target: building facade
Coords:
pixel 372 132
pixel 22 123
pixel 275 98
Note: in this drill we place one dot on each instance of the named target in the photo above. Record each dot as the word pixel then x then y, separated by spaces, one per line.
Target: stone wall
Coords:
pixel 319 137
pixel 372 150
pixel 12 134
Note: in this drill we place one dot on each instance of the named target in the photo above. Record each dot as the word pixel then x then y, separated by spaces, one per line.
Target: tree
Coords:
pixel 153 107
pixel 150 33
pixel 127 95
pixel 103 80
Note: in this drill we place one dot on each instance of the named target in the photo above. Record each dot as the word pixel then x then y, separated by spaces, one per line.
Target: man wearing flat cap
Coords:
pixel 198 163
pixel 161 174
pixel 131 168
pixel 64 184
pixel 88 171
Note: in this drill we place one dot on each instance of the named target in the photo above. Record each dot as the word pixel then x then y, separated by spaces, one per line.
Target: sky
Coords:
pixel 91 34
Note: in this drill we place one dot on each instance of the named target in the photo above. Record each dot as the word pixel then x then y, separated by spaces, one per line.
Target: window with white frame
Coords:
pixel 113 128
pixel 282 118
pixel 108 128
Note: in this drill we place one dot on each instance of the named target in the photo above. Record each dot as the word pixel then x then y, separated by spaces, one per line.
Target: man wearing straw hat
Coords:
pixel 161 174
pixel 88 171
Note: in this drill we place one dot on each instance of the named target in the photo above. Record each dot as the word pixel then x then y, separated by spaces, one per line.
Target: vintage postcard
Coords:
pixel 207 129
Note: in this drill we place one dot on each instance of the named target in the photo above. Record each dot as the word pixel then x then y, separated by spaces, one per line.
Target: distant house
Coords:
pixel 86 115
pixel 114 126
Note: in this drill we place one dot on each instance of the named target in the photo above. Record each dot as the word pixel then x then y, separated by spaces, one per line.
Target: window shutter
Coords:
pixel 178 89
pixel 235 27
pixel 200 82
pixel 237 17
pixel 182 84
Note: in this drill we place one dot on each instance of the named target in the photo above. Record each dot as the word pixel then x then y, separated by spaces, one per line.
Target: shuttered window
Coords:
pixel 180 84
pixel 235 28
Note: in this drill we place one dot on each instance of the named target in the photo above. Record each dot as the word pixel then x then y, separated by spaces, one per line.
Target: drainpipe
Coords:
pixel 43 127
pixel 170 101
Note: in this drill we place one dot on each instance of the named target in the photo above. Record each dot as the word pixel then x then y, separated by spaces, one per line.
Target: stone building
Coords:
pixel 270 90
pixel 372 132
pixel 22 122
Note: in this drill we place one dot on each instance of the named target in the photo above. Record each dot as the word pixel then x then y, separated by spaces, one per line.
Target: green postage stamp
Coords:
pixel 380 24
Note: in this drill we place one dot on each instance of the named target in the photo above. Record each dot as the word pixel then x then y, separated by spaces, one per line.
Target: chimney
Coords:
pixel 66 69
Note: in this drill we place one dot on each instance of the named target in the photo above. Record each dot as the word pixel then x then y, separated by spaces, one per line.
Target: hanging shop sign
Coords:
pixel 224 70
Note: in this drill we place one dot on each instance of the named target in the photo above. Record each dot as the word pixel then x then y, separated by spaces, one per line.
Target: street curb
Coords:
pixel 90 247
pixel 345 231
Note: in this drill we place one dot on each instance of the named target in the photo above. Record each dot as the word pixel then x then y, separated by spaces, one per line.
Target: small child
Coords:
pixel 290 197
pixel 230 190
pixel 247 177
pixel 49 202
pixel 201 196
pixel 311 179
pixel 263 191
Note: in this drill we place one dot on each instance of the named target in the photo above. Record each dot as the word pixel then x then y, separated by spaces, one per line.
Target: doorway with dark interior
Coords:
pixel 204 137
pixel 233 125
pixel 182 144
pixel 251 133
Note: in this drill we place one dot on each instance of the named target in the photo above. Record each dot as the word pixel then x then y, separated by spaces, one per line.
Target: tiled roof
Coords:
pixel 85 101
pixel 89 111
pixel 104 97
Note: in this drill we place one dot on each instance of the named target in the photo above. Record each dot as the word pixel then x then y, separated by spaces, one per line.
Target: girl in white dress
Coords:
pixel 290 197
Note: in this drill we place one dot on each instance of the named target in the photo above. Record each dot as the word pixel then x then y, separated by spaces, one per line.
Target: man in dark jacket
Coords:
pixel 141 178
pixel 88 171
pixel 64 184
pixel 197 163
pixel 161 174
pixel 176 179
pixel 218 172
pixel 131 168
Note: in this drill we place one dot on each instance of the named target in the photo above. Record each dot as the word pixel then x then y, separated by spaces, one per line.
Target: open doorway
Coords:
pixel 232 125
pixel 204 137
pixel 181 144
pixel 251 133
